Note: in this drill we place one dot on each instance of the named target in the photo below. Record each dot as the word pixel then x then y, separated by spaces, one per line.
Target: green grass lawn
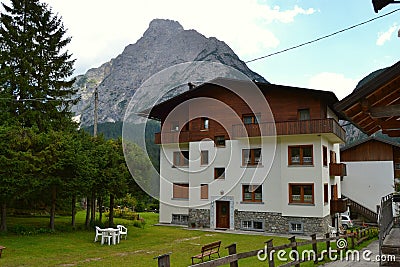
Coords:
pixel 76 248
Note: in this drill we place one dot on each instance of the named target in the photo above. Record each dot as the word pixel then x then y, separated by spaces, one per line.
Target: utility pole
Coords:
pixel 96 106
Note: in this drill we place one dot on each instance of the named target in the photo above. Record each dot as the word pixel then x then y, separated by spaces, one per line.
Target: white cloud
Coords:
pixel 334 82
pixel 383 37
pixel 100 30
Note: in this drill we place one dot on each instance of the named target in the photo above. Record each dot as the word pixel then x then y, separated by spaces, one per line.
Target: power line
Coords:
pixel 35 99
pixel 323 37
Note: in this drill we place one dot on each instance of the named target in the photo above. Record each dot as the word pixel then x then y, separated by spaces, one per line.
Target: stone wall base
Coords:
pixel 269 222
pixel 276 223
pixel 199 218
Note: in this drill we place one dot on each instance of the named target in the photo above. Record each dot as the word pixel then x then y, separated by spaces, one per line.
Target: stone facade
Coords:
pixel 276 223
pixel 271 222
pixel 199 218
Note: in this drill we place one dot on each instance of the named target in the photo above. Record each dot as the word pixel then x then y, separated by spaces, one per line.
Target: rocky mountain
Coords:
pixel 165 43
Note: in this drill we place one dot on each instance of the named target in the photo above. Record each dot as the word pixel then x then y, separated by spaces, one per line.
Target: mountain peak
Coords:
pixel 164 27
pixel 164 44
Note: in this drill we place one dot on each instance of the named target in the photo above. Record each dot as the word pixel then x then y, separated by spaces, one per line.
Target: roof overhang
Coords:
pixel 376 104
pixel 160 110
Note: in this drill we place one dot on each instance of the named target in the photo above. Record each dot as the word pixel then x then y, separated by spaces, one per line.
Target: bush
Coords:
pixel 123 214
pixel 140 207
pixel 139 223
pixel 29 230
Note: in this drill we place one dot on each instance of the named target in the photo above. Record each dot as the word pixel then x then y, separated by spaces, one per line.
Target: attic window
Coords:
pixel 303 114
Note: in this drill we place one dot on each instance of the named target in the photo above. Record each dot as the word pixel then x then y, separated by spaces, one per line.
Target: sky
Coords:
pixel 101 29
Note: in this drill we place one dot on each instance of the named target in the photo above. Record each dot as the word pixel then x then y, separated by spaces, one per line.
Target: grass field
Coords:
pixel 76 248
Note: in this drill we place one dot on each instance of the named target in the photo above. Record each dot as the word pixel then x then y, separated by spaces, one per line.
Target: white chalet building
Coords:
pixel 226 164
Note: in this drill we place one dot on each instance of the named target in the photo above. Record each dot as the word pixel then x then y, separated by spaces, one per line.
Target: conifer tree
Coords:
pixel 35 65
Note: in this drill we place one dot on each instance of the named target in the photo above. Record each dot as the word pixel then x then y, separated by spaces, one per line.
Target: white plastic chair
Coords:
pixel 106 236
pixel 123 231
pixel 99 233
pixel 116 236
pixel 332 231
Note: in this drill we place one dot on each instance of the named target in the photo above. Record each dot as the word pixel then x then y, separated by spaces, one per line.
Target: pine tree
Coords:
pixel 35 66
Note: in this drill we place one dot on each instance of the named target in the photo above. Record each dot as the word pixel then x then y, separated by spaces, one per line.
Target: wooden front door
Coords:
pixel 222 214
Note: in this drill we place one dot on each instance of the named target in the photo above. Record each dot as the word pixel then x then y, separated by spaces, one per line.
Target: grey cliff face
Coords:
pixel 165 43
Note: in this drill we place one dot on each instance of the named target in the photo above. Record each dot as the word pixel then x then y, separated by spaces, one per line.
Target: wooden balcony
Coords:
pixel 337 169
pixel 338 205
pixel 171 137
pixel 185 136
pixel 330 127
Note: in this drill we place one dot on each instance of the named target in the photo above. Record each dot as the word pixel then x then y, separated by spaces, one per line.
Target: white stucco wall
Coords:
pixel 316 174
pixel 367 181
pixel 274 179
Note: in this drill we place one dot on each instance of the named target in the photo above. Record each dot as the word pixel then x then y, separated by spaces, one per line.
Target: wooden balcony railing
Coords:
pixel 321 126
pixel 185 136
pixel 338 205
pixel 337 169
pixel 172 137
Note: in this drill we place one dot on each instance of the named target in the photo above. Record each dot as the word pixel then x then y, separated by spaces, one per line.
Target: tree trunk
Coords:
pixel 3 226
pixel 88 209
pixel 111 216
pixel 93 215
pixel 53 207
pixel 100 202
pixel 73 211
pixel 93 206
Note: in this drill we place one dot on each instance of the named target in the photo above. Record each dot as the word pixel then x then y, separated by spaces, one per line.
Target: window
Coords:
pixel 326 194
pixel 252 193
pixel 334 192
pixel 204 191
pixel 180 191
pixel 295 227
pixel 252 225
pixel 220 140
pixel 181 158
pixel 301 155
pixel 204 157
pixel 397 166
pixel 251 157
pixel 251 118
pixel 175 126
pixel 204 123
pixel 325 155
pixel 303 114
pixel 333 156
pixel 247 224
pixel 219 173
pixel 181 219
pixel 301 193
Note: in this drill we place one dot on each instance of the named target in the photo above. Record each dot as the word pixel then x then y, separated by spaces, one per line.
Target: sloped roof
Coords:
pixel 368 139
pixel 158 110
pixel 375 105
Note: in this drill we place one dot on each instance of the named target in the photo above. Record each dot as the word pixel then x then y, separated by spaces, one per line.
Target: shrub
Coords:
pixel 29 230
pixel 123 214
pixel 139 223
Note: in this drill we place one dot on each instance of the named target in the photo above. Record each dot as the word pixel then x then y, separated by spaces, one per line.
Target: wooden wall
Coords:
pixel 224 108
pixel 369 151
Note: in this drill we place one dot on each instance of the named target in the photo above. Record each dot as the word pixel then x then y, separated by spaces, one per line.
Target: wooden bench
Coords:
pixel 1 250
pixel 208 250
